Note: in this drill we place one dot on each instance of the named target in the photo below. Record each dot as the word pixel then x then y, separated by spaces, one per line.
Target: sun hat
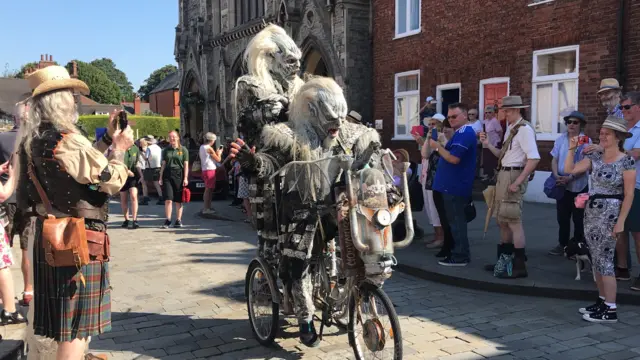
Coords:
pixel 512 102
pixel 617 124
pixel 355 117
pixel 609 84
pixel 54 78
pixel 576 115
pixel 490 108
pixel 438 117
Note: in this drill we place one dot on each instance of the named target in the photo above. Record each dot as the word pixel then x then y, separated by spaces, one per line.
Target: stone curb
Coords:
pixel 513 289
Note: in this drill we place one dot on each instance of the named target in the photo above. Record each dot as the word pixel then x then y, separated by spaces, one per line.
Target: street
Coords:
pixel 179 294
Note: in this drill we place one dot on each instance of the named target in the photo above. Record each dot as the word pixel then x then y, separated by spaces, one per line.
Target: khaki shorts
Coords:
pixel 507 206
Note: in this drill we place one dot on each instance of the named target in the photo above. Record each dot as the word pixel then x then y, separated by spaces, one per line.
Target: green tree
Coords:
pixel 103 90
pixel 116 75
pixel 154 79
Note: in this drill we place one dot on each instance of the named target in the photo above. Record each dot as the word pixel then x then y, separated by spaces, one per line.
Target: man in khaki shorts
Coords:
pixel 517 161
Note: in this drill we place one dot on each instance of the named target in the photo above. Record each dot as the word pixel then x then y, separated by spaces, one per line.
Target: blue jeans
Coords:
pixel 454 209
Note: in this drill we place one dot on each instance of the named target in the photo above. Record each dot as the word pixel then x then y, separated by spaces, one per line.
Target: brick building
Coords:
pixel 553 53
pixel 165 98
pixel 334 35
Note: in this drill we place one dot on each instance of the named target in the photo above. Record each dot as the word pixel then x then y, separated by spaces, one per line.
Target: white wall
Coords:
pixel 535 191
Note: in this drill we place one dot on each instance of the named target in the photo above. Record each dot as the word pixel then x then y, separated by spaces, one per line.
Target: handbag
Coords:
pixel 64 239
pixel 186 195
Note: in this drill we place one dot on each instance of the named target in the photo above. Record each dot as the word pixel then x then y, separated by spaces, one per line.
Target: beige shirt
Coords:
pixel 523 147
pixel 85 164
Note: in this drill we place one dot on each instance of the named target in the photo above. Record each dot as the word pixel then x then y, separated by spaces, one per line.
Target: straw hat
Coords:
pixel 617 124
pixel 512 102
pixel 54 78
pixel 355 117
pixel 609 84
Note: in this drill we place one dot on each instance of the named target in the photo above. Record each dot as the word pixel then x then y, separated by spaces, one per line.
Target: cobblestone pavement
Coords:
pixel 178 294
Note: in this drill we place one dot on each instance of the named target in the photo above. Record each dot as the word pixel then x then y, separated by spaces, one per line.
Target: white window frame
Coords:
pixel 496 80
pixel 397 95
pixel 439 89
pixel 554 80
pixel 408 17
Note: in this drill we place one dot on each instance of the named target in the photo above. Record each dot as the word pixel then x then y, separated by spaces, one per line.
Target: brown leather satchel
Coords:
pixel 64 239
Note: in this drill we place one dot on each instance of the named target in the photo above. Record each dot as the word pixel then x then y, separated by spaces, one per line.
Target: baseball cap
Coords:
pixel 429 99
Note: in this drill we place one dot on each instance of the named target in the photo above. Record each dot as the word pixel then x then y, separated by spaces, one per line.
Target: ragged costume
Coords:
pixel 262 97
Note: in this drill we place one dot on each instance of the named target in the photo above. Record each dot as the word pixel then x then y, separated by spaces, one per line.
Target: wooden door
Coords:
pixel 493 94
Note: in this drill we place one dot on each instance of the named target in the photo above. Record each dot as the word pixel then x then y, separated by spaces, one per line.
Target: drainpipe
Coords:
pixel 620 41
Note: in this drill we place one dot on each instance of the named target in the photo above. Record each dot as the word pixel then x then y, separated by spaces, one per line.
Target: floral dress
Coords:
pixel 603 208
pixel 6 257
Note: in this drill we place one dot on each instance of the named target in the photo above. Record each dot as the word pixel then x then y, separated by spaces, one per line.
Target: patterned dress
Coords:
pixel 602 210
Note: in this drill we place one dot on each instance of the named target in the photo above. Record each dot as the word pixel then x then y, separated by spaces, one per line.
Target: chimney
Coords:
pixel 74 72
pixel 136 105
pixel 41 57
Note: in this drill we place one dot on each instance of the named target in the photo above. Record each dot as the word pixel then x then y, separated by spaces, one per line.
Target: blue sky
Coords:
pixel 138 35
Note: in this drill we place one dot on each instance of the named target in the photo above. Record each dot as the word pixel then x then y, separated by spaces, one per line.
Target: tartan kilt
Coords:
pixel 64 309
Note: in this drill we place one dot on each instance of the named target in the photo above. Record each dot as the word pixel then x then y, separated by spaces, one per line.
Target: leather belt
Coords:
pixel 511 168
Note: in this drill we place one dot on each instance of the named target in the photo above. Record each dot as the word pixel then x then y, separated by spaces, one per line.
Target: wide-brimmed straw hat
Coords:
pixel 54 78
pixel 512 102
pixel 617 124
pixel 609 84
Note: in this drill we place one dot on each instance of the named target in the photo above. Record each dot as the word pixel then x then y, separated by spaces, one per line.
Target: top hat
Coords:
pixel 54 78
pixel 609 84
pixel 617 124
pixel 512 102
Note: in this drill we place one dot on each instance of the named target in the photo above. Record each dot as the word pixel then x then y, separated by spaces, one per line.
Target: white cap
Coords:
pixel 429 99
pixel 438 117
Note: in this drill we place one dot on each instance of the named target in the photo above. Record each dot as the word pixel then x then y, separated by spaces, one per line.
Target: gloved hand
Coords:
pixel 245 156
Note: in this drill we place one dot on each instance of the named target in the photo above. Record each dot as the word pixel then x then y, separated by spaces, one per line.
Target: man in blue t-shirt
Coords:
pixel 454 182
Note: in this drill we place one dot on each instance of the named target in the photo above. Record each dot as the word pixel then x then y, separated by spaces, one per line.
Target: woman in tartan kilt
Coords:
pixel 70 304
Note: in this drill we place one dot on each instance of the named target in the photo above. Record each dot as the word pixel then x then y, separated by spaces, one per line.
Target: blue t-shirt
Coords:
pixel 457 179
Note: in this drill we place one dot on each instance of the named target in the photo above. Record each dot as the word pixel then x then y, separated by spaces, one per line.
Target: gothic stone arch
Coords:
pixel 193 108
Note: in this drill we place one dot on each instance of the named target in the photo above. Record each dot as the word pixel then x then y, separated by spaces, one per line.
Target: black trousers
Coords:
pixel 566 211
pixel 438 201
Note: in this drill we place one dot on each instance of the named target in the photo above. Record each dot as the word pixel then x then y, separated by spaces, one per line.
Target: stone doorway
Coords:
pixel 313 63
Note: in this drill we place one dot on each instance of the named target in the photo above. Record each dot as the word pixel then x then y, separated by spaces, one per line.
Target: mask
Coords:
pixel 329 111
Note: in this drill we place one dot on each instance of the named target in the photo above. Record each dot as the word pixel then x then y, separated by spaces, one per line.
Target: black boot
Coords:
pixel 519 266
pixel 308 335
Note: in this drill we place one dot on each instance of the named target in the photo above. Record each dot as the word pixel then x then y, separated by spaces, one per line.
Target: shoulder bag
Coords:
pixel 64 239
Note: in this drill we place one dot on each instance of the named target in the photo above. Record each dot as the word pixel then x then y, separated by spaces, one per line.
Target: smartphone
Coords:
pixel 220 147
pixel 583 140
pixel 434 134
pixel 123 122
pixel 418 130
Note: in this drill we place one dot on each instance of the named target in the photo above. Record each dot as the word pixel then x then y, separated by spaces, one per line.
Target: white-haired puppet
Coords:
pixel 262 97
pixel 316 115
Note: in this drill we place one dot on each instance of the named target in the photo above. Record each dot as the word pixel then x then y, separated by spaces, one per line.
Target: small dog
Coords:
pixel 580 251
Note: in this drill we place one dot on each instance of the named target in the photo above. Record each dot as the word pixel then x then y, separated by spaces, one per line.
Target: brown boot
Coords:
pixel 519 266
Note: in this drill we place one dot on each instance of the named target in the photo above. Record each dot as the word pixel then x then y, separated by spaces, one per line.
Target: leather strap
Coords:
pixel 40 189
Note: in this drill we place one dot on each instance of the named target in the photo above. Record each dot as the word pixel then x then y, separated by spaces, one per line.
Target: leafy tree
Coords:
pixel 154 79
pixel 103 90
pixel 116 75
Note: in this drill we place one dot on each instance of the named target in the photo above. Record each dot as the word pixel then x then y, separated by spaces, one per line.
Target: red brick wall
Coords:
pixel 467 41
pixel 632 45
pixel 166 103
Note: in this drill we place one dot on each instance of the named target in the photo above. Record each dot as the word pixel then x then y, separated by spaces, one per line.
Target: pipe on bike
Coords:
pixel 408 215
pixel 353 217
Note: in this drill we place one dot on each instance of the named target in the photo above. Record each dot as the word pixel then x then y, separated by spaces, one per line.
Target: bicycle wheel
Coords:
pixel 264 312
pixel 374 328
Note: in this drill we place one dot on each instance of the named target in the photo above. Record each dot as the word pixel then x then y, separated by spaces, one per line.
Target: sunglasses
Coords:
pixel 471 113
pixel 572 122
pixel 628 107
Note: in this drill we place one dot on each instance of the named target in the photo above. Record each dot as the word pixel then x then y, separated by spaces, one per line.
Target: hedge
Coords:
pixel 145 125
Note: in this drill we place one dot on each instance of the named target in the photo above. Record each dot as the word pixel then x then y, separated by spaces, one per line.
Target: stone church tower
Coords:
pixel 334 35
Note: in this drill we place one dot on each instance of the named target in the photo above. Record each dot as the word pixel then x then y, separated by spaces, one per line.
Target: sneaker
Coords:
pixel 604 315
pixel 636 284
pixel 167 223
pixel 557 251
pixel 160 202
pixel 145 201
pixel 453 263
pixel 135 225
pixel 125 224
pixel 623 274
pixel 593 308
pixel 177 224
